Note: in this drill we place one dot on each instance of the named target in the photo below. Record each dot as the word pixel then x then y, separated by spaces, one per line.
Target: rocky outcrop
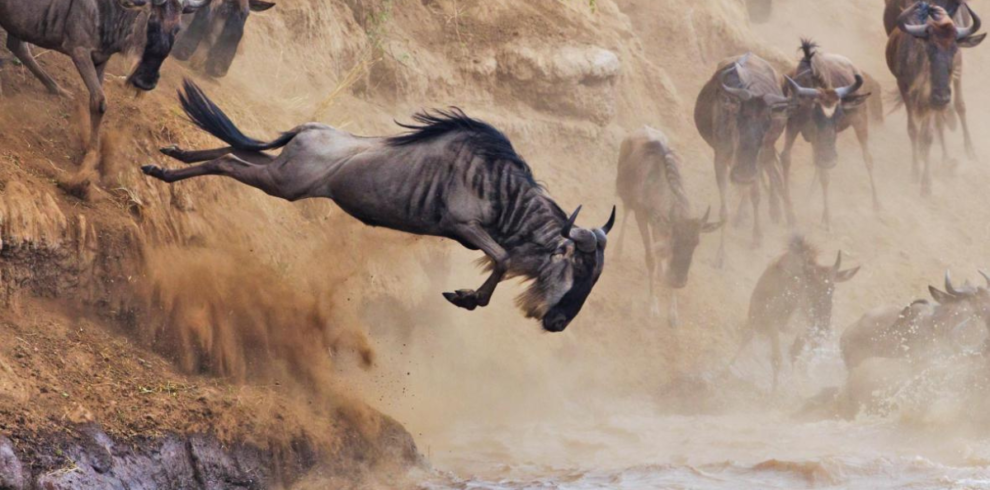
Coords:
pixel 91 459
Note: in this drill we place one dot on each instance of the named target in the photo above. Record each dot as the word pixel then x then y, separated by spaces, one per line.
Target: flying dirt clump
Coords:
pixel 228 315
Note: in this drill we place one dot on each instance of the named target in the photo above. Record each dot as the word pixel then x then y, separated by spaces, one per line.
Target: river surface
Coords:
pixel 753 451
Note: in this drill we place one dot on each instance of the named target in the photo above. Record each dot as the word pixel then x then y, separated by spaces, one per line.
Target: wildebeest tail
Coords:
pixel 205 114
pixel 895 100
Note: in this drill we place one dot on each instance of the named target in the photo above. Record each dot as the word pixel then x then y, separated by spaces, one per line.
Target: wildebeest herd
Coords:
pixel 456 177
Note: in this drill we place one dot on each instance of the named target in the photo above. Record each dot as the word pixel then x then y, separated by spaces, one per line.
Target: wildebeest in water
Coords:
pixel 925 59
pixel 90 32
pixel 451 176
pixel 793 285
pixel 217 29
pixel 828 86
pixel 741 112
pixel 920 330
pixel 650 186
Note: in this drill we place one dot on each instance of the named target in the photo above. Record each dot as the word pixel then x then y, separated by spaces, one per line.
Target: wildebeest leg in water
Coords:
pixel 473 234
pixel 23 53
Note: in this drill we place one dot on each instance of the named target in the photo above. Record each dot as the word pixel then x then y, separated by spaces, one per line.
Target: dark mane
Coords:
pixel 809 49
pixel 485 140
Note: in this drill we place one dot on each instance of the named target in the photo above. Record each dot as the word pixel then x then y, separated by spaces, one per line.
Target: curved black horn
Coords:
pixel 838 262
pixel 847 91
pixel 708 212
pixel 610 223
pixel 986 277
pixel 809 93
pixel 949 288
pixel 566 231
pixel 964 32
pixel 739 93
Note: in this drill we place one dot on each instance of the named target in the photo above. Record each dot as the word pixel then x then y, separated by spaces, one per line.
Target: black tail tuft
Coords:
pixel 205 114
pixel 809 48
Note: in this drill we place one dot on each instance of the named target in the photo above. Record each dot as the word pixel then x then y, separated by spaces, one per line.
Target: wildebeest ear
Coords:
pixel 972 41
pixel 843 276
pixel 939 296
pixel 260 5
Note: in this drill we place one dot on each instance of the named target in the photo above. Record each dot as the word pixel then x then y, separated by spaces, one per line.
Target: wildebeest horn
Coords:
pixel 195 4
pixel 949 288
pixel 739 93
pixel 809 93
pixel 566 231
pixel 708 212
pixel 838 263
pixel 985 276
pixel 964 32
pixel 847 91
pixel 610 223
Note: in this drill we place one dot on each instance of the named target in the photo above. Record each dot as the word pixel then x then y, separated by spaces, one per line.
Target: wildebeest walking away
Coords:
pixel 926 61
pixel 451 176
pixel 831 102
pixel 793 284
pixel 650 186
pixel 90 32
pixel 217 29
pixel 920 330
pixel 741 112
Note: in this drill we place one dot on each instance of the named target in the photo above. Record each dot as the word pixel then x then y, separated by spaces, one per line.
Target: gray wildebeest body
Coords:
pixel 920 331
pixel 923 54
pixel 90 32
pixel 451 176
pixel 793 284
pixel 217 30
pixel 650 186
pixel 741 112
pixel 829 88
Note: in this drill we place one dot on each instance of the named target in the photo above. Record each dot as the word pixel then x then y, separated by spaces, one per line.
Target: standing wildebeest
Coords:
pixel 794 283
pixel 919 330
pixel 926 61
pixel 452 177
pixel 90 32
pixel 741 112
pixel 828 87
pixel 650 186
pixel 219 27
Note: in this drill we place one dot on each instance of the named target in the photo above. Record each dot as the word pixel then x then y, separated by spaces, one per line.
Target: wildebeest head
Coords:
pixel 220 28
pixel 818 287
pixel 975 299
pixel 828 107
pixel 685 235
pixel 164 17
pixel 567 277
pixel 758 118
pixel 942 40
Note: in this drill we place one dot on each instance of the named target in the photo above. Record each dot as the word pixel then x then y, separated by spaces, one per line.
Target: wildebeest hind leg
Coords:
pixel 228 166
pixel 196 156
pixel 863 135
pixel 961 111
pixel 468 299
pixel 23 53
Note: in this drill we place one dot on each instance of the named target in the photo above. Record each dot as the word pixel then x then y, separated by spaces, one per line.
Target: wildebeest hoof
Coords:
pixel 171 151
pixel 154 171
pixel 463 298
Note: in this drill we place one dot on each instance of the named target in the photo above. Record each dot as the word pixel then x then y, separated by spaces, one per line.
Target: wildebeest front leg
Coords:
pixel 642 221
pixel 924 149
pixel 475 235
pixel 785 169
pixel 722 177
pixel 23 53
pixel 960 104
pixel 92 75
pixel 863 136
pixel 826 214
pixel 754 193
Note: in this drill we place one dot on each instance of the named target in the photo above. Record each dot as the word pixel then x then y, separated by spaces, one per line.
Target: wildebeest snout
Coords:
pixel 555 322
pixel 941 99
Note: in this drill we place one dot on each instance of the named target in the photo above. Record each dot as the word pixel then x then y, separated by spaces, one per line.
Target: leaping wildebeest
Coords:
pixel 926 61
pixel 451 176
pixel 218 28
pixel 828 86
pixel 90 32
pixel 650 186
pixel 741 112
pixel 920 330
pixel 794 284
